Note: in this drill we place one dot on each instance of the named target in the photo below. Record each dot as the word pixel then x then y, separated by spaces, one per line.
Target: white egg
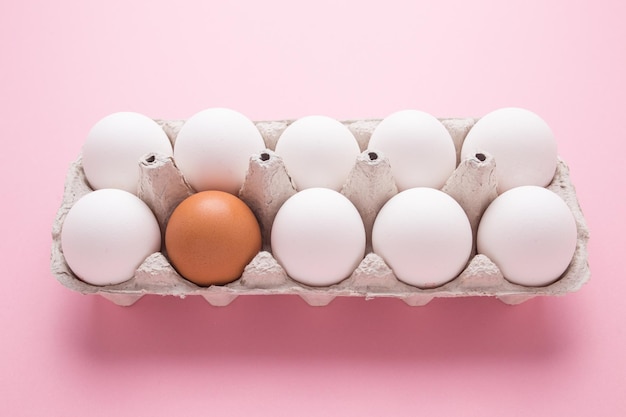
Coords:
pixel 530 233
pixel 419 147
pixel 318 237
pixel 522 144
pixel 114 146
pixel 106 236
pixel 213 149
pixel 424 236
pixel 318 151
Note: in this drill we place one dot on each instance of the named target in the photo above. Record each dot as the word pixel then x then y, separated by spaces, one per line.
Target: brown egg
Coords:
pixel 211 237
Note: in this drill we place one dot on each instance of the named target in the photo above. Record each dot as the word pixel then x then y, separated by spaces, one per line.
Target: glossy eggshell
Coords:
pixel 530 233
pixel 318 237
pixel 213 149
pixel 318 151
pixel 211 237
pixel 522 143
pixel 107 234
pixel 424 235
pixel 114 147
pixel 419 147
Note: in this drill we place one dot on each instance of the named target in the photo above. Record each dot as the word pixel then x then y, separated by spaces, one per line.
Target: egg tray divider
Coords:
pixel 267 186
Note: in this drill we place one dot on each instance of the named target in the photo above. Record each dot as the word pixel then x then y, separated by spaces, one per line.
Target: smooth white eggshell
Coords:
pixel 318 237
pixel 106 236
pixel 318 151
pixel 213 149
pixel 522 144
pixel 424 236
pixel 419 147
pixel 114 147
pixel 530 233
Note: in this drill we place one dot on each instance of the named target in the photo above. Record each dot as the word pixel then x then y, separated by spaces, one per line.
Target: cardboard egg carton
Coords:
pixel 268 185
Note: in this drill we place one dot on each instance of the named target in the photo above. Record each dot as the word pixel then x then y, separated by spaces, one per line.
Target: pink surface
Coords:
pixel 67 64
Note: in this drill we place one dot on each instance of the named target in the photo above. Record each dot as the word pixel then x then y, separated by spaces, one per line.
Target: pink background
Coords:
pixel 66 64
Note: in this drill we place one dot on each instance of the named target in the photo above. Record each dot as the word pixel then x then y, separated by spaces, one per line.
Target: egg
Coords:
pixel 419 147
pixel 522 144
pixel 114 147
pixel 106 236
pixel 318 151
pixel 211 236
pixel 530 233
pixel 213 149
pixel 424 236
pixel 318 237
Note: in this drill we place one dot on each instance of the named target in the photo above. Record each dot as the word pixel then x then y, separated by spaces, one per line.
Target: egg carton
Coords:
pixel 268 185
